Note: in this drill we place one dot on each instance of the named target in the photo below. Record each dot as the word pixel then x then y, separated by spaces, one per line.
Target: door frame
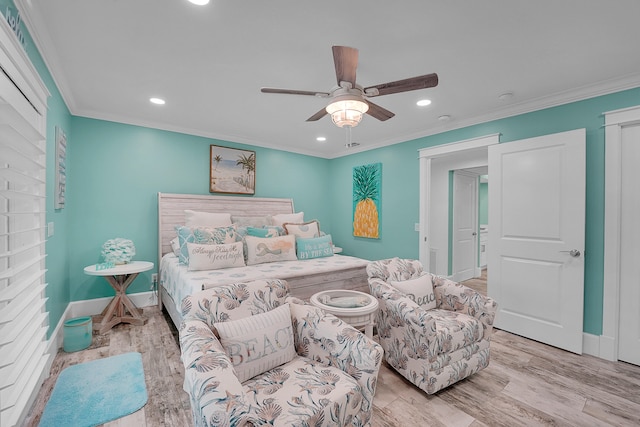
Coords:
pixel 614 122
pixel 426 155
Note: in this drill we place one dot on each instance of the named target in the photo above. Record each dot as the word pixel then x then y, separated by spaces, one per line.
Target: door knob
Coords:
pixel 573 252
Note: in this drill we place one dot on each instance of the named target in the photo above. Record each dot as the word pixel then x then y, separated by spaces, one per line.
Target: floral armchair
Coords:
pixel 331 379
pixel 431 348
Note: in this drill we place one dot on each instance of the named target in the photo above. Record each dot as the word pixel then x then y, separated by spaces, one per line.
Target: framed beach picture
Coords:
pixel 232 170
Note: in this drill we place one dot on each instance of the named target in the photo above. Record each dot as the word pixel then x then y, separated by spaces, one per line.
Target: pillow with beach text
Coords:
pixel 419 290
pixel 258 343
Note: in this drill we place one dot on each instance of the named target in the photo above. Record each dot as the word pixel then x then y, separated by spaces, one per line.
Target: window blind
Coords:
pixel 23 316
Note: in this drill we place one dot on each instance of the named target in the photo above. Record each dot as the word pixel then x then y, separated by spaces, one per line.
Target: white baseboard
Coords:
pixel 599 346
pixel 92 307
pixel 608 348
pixel 590 344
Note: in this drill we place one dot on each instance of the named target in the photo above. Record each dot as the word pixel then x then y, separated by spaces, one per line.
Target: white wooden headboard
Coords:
pixel 171 211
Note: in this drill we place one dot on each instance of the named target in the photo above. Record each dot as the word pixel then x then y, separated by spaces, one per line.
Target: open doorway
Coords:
pixel 468 223
pixel 436 164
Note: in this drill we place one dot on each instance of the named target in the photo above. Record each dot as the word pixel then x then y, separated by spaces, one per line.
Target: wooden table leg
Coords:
pixel 121 309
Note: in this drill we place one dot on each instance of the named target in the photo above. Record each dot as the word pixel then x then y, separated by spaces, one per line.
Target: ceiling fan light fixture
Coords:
pixel 347 110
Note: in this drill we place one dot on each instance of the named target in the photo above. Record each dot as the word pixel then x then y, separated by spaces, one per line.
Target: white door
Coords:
pixel 465 225
pixel 536 238
pixel 629 329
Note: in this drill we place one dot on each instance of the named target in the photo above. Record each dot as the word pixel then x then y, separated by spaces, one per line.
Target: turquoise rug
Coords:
pixel 96 392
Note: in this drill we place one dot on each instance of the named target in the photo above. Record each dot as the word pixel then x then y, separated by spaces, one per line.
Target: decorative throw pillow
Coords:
pixel 316 247
pixel 217 235
pixel 185 235
pixel 261 250
pixel 280 219
pixel 206 235
pixel 262 232
pixel 213 257
pixel 419 290
pixel 258 343
pixel 175 246
pixel 206 219
pixel 303 229
pixel 251 221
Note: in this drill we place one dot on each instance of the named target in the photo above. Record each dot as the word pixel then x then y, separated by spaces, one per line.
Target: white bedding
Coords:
pixel 179 282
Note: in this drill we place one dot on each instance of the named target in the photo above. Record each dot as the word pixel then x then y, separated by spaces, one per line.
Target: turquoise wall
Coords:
pixel 118 170
pixel 400 188
pixel 56 247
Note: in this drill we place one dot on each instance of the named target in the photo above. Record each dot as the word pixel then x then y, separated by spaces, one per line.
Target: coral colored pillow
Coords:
pixel 273 249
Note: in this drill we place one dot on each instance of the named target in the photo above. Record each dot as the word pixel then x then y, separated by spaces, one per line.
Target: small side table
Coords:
pixel 121 309
pixel 358 317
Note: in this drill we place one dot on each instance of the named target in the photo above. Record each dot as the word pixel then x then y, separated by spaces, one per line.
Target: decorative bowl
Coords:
pixel 118 250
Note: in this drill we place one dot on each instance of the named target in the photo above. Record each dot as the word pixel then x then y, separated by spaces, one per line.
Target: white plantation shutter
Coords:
pixel 23 317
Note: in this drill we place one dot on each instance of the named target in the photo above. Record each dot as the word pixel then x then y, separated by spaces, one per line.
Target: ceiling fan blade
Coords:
pixel 378 112
pixel 413 83
pixel 294 92
pixel 317 116
pixel 346 61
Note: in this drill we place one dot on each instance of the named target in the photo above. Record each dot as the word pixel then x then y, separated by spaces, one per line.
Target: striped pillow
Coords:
pixel 258 343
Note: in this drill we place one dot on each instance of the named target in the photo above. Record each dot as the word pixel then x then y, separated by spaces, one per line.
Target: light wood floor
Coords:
pixel 527 383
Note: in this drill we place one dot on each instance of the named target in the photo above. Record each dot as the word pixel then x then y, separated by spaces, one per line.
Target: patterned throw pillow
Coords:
pixel 419 290
pixel 258 343
pixel 303 229
pixel 316 247
pixel 261 250
pixel 220 235
pixel 263 232
pixel 214 257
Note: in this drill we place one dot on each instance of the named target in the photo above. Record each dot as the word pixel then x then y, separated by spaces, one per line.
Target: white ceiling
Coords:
pixel 108 57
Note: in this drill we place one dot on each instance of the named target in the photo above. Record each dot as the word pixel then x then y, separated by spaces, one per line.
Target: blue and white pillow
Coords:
pixel 316 247
pixel 207 235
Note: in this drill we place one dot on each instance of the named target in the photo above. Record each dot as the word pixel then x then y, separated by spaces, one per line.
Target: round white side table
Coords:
pixel 121 309
pixel 358 317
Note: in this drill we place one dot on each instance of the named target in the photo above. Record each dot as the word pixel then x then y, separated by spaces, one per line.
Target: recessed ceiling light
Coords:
pixel 157 101
pixel 199 2
pixel 444 118
pixel 321 139
pixel 423 102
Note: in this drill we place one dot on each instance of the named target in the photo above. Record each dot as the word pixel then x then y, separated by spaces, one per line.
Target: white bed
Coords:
pixel 305 277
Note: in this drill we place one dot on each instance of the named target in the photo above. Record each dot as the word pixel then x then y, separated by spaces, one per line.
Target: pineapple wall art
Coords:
pixel 367 180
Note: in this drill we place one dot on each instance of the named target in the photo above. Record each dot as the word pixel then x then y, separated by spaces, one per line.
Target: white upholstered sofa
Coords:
pixel 328 380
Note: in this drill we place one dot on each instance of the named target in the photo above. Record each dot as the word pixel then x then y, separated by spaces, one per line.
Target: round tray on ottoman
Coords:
pixel 358 315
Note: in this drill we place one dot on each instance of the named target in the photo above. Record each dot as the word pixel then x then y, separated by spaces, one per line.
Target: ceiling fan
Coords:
pixel 349 100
